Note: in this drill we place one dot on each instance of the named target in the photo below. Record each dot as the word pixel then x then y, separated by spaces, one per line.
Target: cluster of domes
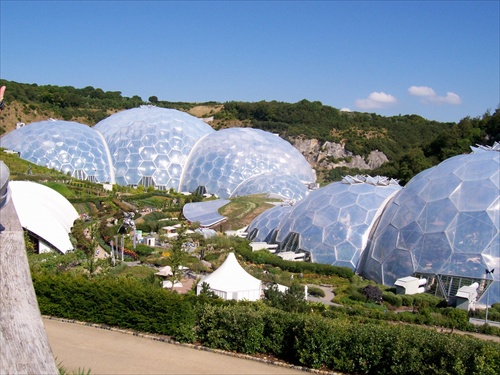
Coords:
pixel 166 148
pixel 150 145
pixel 445 221
pixel 332 223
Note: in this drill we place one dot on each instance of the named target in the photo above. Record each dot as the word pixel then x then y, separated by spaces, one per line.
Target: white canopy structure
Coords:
pixel 45 213
pixel 231 281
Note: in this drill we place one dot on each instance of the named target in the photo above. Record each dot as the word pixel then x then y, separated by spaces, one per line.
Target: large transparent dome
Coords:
pixel 333 223
pixel 69 147
pixel 228 157
pixel 150 145
pixel 263 227
pixel 282 186
pixel 446 221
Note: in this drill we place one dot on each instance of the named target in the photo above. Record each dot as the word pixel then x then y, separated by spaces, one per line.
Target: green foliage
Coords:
pixel 372 293
pixel 143 250
pixel 392 299
pixel 62 189
pixel 340 342
pixel 123 301
pixel 292 300
pixel 80 371
pixel 315 291
pixel 233 328
pixel 264 257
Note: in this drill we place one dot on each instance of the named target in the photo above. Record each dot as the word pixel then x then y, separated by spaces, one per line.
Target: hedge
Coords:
pixel 339 343
pixel 265 257
pixel 123 302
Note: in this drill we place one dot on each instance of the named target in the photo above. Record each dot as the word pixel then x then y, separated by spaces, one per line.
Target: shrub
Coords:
pixel 315 291
pixel 235 328
pixel 372 293
pixel 143 250
pixel 407 300
pixel 122 301
pixel 392 299
pixel 264 257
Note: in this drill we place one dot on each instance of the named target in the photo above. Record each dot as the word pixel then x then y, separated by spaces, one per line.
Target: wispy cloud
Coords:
pixel 376 100
pixel 428 95
pixel 345 109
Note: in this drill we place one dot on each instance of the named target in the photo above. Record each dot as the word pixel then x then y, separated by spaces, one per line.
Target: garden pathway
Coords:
pixel 78 346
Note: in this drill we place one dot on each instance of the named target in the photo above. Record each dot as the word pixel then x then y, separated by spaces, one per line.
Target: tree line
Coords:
pixel 411 142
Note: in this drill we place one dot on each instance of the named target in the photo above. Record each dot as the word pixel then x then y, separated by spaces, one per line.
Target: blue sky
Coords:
pixel 439 60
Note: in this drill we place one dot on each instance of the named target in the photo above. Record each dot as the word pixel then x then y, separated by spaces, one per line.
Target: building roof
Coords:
pixel 44 212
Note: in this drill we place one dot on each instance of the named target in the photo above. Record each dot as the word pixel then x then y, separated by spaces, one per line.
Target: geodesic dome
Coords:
pixel 66 146
pixel 150 145
pixel 225 159
pixel 283 186
pixel 446 221
pixel 263 227
pixel 333 223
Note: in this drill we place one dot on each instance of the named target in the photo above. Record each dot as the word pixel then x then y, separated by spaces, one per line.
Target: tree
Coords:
pixel 29 243
pixel 91 248
pixel 372 293
pixel 292 300
pixel 153 99
pixel 412 163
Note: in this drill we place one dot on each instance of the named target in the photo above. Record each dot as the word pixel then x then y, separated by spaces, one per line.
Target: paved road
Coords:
pixel 77 346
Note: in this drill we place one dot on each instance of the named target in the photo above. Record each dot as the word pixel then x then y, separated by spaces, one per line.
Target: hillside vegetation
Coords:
pixel 77 285
pixel 410 142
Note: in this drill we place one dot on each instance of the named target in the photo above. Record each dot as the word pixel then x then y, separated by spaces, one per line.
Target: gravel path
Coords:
pixel 78 346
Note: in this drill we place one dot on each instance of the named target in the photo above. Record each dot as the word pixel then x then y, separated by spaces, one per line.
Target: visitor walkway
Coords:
pixel 78 346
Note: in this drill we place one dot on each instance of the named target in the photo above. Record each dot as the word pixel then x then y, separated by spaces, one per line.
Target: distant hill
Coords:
pixel 336 143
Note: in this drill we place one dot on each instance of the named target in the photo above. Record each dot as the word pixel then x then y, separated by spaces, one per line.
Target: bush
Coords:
pixel 392 299
pixel 427 300
pixel 234 328
pixel 143 250
pixel 123 302
pixel 343 344
pixel 315 291
pixel 265 257
pixel 496 306
pixel 407 300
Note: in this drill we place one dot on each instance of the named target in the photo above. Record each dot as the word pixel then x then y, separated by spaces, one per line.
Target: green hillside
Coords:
pixel 410 142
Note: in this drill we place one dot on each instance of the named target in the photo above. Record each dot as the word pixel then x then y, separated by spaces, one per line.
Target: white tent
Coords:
pixel 165 271
pixel 231 281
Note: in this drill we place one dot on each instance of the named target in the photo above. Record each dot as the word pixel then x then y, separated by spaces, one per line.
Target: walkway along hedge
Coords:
pixel 303 339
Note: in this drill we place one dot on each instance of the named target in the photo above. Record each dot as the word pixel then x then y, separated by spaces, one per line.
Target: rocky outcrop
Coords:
pixel 331 155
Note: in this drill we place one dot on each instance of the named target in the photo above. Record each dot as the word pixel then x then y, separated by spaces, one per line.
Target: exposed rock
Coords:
pixel 331 155
pixel 376 159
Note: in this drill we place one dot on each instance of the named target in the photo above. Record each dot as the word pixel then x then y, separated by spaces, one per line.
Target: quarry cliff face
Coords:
pixel 329 155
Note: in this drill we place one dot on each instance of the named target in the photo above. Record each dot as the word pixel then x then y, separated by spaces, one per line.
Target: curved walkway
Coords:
pixel 84 346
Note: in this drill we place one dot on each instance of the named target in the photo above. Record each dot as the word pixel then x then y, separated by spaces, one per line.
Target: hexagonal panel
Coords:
pixel 163 135
pixel 451 235
pixel 247 153
pixel 338 220
pixel 57 144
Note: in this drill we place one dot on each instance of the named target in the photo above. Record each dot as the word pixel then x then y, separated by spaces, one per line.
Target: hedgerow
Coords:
pixel 340 342
pixel 264 257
